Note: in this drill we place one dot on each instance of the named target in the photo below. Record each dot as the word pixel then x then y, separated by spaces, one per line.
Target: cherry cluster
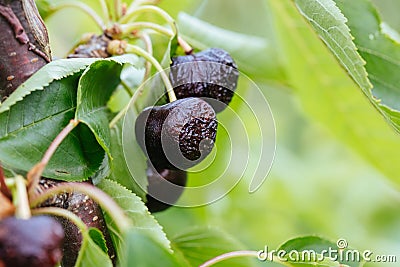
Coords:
pixel 179 135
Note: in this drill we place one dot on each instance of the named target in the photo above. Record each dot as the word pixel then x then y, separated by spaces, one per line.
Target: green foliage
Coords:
pixel 142 250
pixel 134 178
pixel 345 109
pixel 95 87
pixel 93 250
pixel 135 209
pixel 198 245
pixel 42 106
pixel 56 70
pixel 330 24
pixel 381 53
pixel 31 124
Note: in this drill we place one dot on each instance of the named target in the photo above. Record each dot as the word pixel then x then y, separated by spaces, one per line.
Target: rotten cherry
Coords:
pixel 210 74
pixel 177 135
pixel 164 189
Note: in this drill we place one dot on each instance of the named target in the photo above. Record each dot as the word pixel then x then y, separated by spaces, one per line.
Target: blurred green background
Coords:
pixel 317 185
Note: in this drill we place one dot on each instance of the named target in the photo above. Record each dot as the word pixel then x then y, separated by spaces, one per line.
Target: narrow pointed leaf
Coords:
pixel 142 220
pixel 333 98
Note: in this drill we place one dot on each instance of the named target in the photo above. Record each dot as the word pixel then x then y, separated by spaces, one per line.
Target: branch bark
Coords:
pixel 23 41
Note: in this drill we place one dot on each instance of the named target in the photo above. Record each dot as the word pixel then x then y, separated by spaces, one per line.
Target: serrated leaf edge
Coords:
pixel 368 92
pixel 342 20
pixel 49 78
pixel 145 210
pixel 11 101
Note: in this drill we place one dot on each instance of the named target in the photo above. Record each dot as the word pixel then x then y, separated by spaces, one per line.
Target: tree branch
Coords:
pixel 24 44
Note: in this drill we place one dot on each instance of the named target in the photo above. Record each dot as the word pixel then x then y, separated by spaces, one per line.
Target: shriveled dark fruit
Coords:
pixel 95 46
pixel 211 74
pixel 177 135
pixel 35 242
pixel 161 194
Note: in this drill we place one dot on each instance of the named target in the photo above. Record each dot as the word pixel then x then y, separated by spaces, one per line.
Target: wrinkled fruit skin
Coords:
pixel 35 242
pixel 177 135
pixel 167 193
pixel 204 79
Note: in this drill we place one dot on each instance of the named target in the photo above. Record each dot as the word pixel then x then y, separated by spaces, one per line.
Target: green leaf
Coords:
pixel 154 89
pixel 119 100
pixel 141 250
pixel 321 247
pixel 132 174
pixel 254 55
pixel 381 53
pixel 330 24
pixel 95 87
pixel 51 72
pixel 332 97
pixel 40 108
pixel 135 209
pixel 198 245
pixel 98 239
pixel 90 253
pixel 132 77
pixel 29 126
pixel 390 32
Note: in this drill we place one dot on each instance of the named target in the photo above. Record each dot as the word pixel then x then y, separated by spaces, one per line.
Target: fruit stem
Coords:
pixel 153 9
pixel 149 48
pixel 104 200
pixel 62 213
pixel 139 51
pixel 110 10
pixel 120 114
pixel 20 199
pixel 104 9
pixel 243 253
pixel 83 7
pixel 130 27
pixel 126 88
pixel 117 9
pixel 36 172
pixel 10 182
pixel 230 255
pixel 3 186
pixel 185 46
pixel 136 3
